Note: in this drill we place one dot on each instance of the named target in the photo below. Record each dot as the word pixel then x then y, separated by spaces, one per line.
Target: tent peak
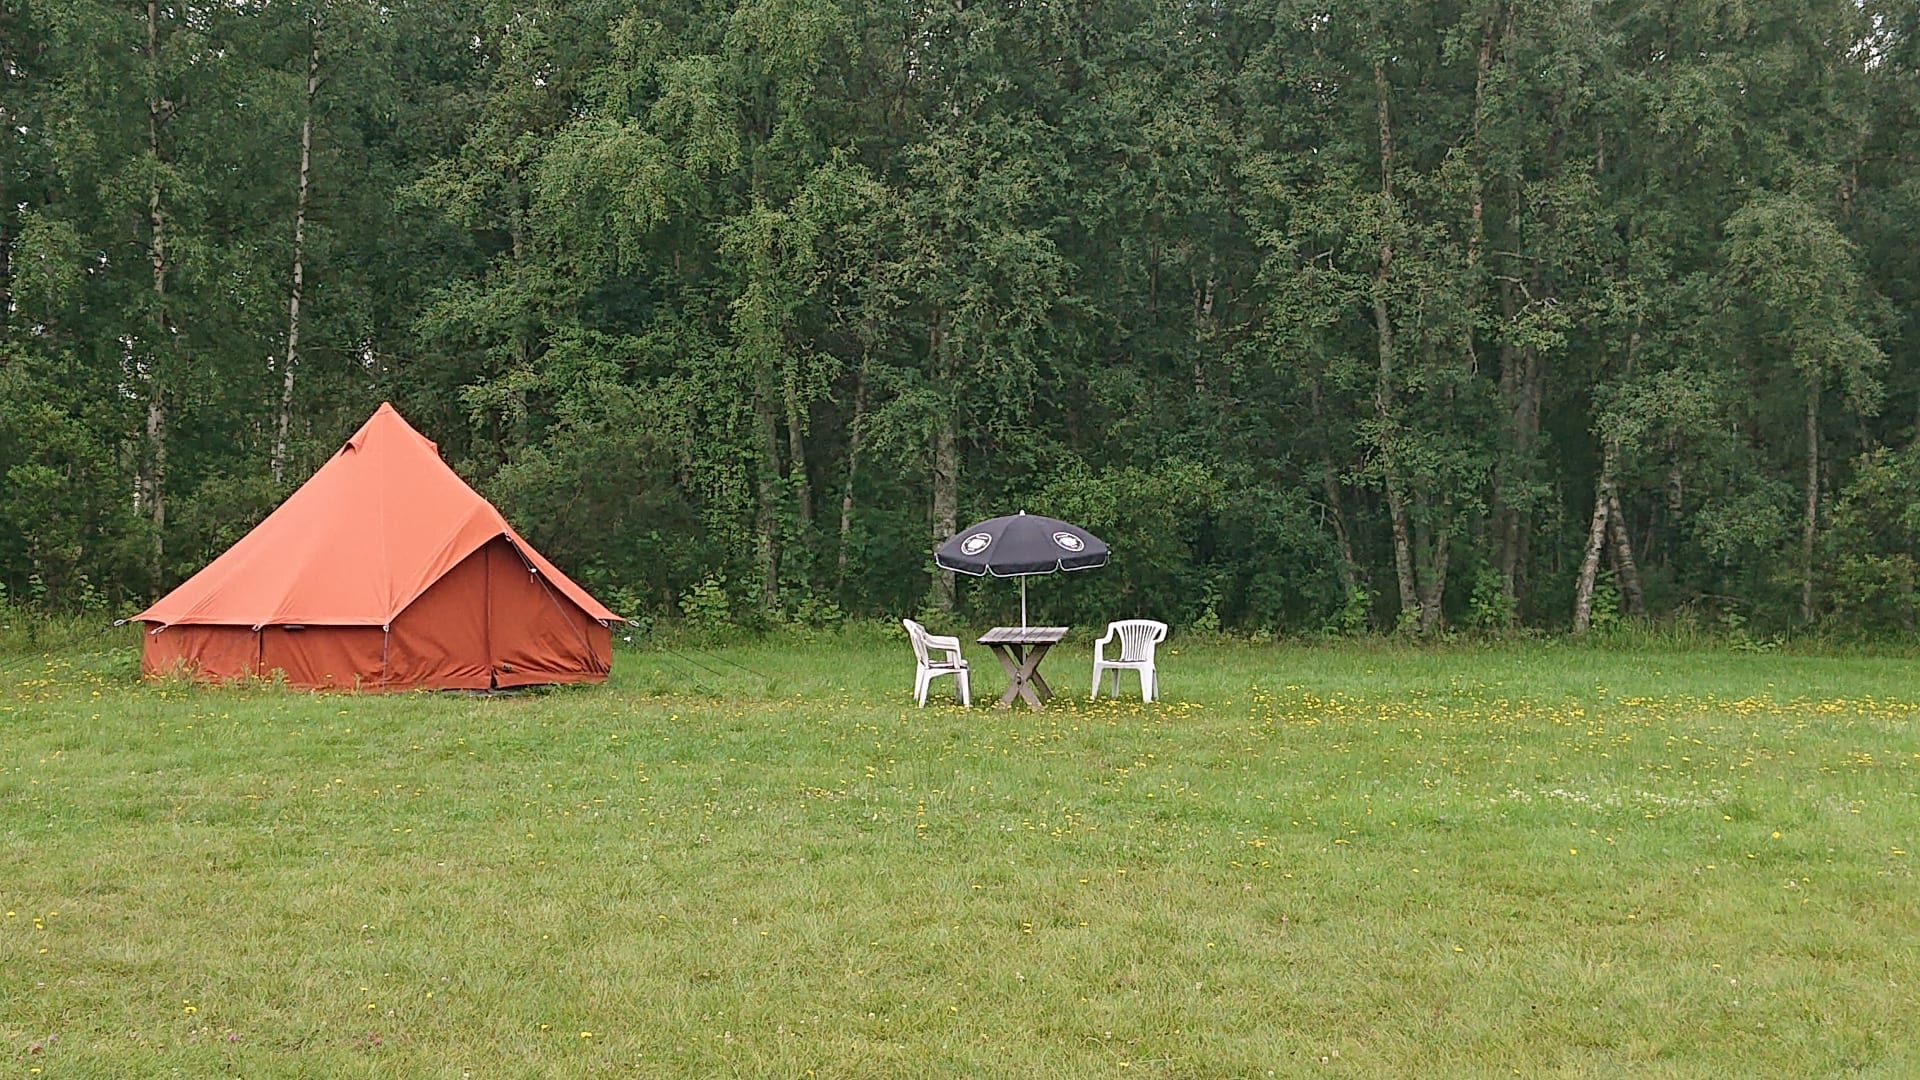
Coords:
pixel 387 418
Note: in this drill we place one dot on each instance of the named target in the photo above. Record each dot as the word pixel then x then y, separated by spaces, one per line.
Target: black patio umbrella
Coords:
pixel 1020 545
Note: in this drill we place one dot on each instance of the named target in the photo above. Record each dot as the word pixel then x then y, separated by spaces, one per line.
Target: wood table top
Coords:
pixel 1024 635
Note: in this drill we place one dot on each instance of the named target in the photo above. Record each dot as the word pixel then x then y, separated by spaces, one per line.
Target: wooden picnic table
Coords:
pixel 1019 649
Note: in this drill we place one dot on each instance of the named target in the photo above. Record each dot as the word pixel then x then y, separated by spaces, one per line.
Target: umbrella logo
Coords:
pixel 975 544
pixel 1069 541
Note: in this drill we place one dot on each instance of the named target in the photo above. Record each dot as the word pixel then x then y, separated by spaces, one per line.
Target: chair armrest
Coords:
pixel 1100 646
pixel 949 645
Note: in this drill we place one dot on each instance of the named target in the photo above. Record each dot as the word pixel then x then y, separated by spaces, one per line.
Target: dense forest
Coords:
pixel 1384 316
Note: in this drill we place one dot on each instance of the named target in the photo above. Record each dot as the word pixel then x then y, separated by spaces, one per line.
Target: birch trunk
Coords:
pixel 1433 590
pixel 1383 396
pixel 944 513
pixel 1809 527
pixel 1203 290
pixel 1511 521
pixel 1626 569
pixel 946 506
pixel 766 520
pixel 6 266
pixel 1506 517
pixel 1596 541
pixel 285 418
pixel 854 433
pixel 797 454
pixel 153 485
pixel 1402 547
pixel 1348 567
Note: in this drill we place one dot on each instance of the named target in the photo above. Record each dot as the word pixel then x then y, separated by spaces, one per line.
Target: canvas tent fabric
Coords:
pixel 384 571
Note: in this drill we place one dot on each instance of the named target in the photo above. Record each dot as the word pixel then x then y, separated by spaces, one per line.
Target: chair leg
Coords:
pixel 1149 684
pixel 1095 695
pixel 966 691
pixel 920 680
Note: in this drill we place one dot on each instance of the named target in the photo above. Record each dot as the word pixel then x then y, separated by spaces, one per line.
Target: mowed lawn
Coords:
pixel 1363 860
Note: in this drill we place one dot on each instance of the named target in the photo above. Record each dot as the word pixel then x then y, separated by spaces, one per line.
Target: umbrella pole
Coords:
pixel 1023 601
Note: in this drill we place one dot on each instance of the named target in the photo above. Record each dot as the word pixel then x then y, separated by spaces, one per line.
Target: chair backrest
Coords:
pixel 918 635
pixel 1138 637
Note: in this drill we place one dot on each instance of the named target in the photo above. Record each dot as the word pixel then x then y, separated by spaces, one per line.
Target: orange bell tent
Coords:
pixel 385 571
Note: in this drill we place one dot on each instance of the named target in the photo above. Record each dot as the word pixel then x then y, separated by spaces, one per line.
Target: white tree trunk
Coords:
pixel 854 432
pixel 1809 529
pixel 1596 543
pixel 153 484
pixel 285 418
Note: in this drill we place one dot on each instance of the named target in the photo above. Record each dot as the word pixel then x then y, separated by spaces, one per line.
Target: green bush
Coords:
pixel 1871 549
pixel 707 606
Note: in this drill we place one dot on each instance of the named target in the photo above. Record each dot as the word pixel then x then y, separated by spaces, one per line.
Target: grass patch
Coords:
pixel 762 860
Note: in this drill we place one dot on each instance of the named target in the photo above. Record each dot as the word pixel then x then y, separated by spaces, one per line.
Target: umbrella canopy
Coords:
pixel 1020 545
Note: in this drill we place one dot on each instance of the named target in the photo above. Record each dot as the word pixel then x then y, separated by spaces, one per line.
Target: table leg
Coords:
pixel 1022 665
pixel 1009 660
pixel 1032 670
pixel 1031 687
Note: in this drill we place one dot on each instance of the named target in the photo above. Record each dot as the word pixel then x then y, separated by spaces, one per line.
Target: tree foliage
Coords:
pixel 1327 316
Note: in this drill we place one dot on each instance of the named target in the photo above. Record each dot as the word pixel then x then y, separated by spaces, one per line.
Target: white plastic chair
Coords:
pixel 926 669
pixel 1137 639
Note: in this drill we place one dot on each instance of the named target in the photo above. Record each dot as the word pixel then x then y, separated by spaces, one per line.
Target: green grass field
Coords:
pixel 1362 860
